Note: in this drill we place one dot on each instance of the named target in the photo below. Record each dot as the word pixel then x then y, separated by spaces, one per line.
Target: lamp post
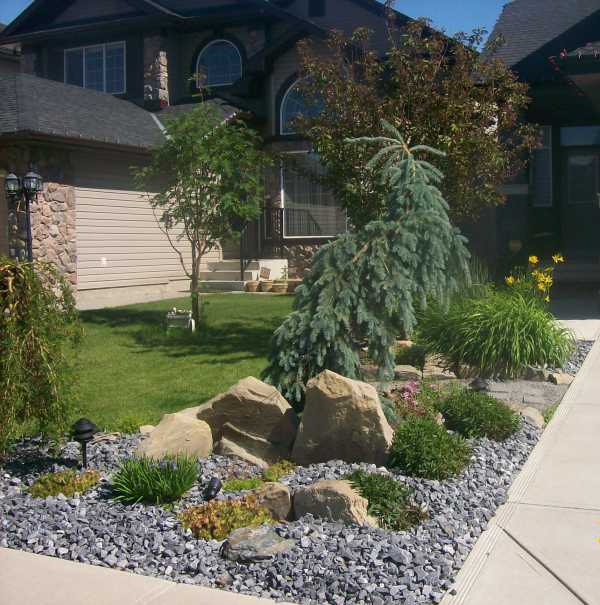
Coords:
pixel 83 432
pixel 27 187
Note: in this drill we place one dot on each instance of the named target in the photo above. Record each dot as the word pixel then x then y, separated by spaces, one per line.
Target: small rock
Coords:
pixel 559 378
pixel 276 498
pixel 146 429
pixel 253 544
pixel 533 416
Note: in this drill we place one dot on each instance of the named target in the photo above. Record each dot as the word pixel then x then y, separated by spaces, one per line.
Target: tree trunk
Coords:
pixel 194 288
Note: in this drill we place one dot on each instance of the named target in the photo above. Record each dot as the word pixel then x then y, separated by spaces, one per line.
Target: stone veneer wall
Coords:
pixel 52 229
pixel 156 72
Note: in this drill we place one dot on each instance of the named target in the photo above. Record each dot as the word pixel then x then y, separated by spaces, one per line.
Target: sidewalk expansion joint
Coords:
pixel 536 558
pixel 572 507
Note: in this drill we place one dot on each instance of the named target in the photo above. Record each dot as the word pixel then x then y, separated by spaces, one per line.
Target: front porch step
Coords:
pixel 233 265
pixel 227 275
pixel 222 286
pixel 578 273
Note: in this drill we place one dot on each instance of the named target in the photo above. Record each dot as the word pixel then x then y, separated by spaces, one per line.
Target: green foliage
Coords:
pixel 389 500
pixel 129 424
pixel 154 481
pixel 475 414
pixel 366 287
pixel 38 329
pixel 278 470
pixel 208 175
pixel 499 334
pixel 215 520
pixel 440 91
pixel 66 482
pixel 240 485
pixel 549 413
pixel 390 410
pixel 422 448
pixel 415 356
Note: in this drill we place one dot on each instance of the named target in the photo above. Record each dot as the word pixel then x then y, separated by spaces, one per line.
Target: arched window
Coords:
pixel 219 64
pixel 293 105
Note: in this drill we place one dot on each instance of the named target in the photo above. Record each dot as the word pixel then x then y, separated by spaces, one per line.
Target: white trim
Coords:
pixel 212 43
pixel 104 46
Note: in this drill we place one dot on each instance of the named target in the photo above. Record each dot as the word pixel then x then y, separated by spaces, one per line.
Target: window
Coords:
pixel 310 209
pixel 541 171
pixel 580 136
pixel 293 106
pixel 582 177
pixel 316 8
pixel 219 64
pixel 100 67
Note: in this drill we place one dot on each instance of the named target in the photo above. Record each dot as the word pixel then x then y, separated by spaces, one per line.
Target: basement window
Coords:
pixel 100 67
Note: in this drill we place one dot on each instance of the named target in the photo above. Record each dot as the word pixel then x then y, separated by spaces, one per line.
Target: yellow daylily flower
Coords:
pixel 558 258
pixel 534 260
pixel 547 299
pixel 510 280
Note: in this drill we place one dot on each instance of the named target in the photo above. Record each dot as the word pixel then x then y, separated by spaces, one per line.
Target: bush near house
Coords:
pixel 38 330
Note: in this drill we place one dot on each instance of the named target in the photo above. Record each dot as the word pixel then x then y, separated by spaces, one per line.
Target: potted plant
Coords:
pixel 252 286
pixel 266 285
pixel 280 286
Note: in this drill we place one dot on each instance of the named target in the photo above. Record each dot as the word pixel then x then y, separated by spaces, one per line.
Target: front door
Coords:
pixel 581 204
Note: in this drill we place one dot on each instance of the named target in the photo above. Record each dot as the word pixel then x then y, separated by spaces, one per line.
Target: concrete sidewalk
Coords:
pixel 27 579
pixel 543 546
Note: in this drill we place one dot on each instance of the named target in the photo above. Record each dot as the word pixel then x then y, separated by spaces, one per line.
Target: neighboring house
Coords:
pixel 10 56
pixel 119 68
pixel 554 46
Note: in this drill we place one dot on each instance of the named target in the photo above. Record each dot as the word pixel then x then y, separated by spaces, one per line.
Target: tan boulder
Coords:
pixel 276 498
pixel 146 429
pixel 534 416
pixel 560 378
pixel 253 449
pixel 178 434
pixel 343 420
pixel 334 501
pixel 253 407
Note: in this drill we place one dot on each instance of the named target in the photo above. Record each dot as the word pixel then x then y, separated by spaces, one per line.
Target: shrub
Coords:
pixel 415 356
pixel 389 500
pixel 240 485
pixel 475 414
pixel 499 334
pixel 422 448
pixel 549 413
pixel 66 482
pixel 154 481
pixel 38 327
pixel 215 520
pixel 278 470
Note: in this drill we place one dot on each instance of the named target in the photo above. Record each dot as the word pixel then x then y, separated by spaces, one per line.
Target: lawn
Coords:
pixel 132 372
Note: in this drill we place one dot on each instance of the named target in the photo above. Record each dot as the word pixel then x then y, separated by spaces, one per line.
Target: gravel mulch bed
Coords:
pixel 331 563
pixel 576 361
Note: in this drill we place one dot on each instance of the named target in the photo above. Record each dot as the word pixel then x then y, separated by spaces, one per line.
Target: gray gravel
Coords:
pixel 576 361
pixel 331 563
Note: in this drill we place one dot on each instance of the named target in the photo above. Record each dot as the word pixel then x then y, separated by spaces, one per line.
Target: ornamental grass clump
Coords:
pixel 498 334
pixel 39 329
pixel 423 448
pixel 154 481
pixel 278 470
pixel 68 483
pixel 474 414
pixel 389 501
pixel 215 520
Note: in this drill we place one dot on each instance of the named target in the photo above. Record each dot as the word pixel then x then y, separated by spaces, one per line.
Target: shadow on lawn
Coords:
pixel 228 342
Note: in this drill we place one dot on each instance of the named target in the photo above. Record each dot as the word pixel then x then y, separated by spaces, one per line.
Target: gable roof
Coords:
pixel 38 107
pixel 528 25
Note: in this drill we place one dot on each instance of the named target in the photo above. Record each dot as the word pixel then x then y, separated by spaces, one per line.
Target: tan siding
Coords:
pixel 119 242
pixel 3 221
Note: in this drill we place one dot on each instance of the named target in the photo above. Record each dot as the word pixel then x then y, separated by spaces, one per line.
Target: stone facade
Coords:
pixel 299 257
pixel 156 72
pixel 52 228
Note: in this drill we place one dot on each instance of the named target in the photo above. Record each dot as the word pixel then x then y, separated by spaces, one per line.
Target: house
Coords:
pixel 98 80
pixel 554 47
pixel 10 56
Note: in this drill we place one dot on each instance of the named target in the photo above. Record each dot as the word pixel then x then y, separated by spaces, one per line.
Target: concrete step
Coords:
pixel 232 265
pixel 227 275
pixel 222 286
pixel 577 273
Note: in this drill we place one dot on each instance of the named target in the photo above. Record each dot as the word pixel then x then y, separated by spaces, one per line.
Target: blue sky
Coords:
pixel 451 15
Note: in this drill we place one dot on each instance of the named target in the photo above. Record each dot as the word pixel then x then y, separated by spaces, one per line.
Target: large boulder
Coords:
pixel 176 434
pixel 343 420
pixel 334 501
pixel 251 421
pixel 276 498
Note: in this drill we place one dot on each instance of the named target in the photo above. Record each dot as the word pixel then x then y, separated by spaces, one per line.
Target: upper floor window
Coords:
pixel 293 106
pixel 219 64
pixel 100 67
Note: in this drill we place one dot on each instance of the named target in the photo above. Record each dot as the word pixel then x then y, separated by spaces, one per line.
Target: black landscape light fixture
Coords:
pixel 28 187
pixel 480 385
pixel 83 432
pixel 212 489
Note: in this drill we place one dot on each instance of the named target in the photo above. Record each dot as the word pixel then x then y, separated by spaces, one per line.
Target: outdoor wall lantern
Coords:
pixel 83 433
pixel 212 489
pixel 27 188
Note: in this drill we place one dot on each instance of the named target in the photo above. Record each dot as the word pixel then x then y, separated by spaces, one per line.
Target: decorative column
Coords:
pixel 156 73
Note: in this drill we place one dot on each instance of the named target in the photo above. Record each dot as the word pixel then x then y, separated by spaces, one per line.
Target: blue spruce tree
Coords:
pixel 365 288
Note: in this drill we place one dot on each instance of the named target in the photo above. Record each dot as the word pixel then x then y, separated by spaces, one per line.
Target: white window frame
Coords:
pixel 282 195
pixel 121 43
pixel 212 43
pixel 281 106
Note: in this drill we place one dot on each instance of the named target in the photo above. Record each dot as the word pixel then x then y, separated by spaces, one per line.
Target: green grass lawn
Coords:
pixel 132 372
